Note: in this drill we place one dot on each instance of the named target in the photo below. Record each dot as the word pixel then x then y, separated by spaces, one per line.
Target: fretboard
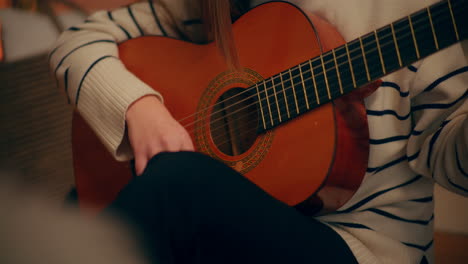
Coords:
pixel 322 79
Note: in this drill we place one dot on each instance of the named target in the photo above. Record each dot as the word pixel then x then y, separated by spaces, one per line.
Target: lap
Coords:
pixel 211 209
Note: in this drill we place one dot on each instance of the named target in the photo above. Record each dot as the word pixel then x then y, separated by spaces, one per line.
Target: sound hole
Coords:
pixel 234 122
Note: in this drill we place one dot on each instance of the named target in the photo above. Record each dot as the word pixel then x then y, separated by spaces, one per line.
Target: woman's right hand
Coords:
pixel 152 129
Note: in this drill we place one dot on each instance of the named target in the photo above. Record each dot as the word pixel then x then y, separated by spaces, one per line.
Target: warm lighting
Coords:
pixel 4 3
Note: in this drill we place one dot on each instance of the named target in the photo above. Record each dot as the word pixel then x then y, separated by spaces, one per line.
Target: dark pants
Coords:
pixel 189 208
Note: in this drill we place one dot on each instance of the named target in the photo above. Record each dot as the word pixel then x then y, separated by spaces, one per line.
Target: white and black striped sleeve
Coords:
pixel 438 145
pixel 86 63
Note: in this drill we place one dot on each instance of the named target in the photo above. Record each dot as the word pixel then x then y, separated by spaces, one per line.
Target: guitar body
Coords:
pixel 317 158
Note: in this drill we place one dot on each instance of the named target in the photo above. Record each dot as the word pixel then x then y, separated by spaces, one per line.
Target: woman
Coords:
pixel 418 135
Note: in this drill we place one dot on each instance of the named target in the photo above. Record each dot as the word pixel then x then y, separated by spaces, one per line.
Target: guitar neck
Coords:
pixel 359 62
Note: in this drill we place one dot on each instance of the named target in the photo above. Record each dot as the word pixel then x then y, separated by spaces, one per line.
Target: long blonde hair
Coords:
pixel 217 16
pixel 218 27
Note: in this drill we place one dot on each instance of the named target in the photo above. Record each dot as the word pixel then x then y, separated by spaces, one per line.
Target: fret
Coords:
pixel 414 37
pixel 372 56
pixel 294 91
pixel 319 80
pixel 426 45
pixel 390 55
pixel 432 27
pixel 396 45
pixel 330 68
pixel 314 82
pixel 365 60
pixel 284 94
pixel 453 21
pixel 344 69
pixel 350 65
pixel 380 52
pixel 289 94
pixel 261 106
pixel 276 99
pixel 407 49
pixel 325 77
pixel 441 17
pixel 460 9
pixel 358 63
pixel 298 87
pixel 308 82
pixel 337 72
pixel 304 86
pixel 268 102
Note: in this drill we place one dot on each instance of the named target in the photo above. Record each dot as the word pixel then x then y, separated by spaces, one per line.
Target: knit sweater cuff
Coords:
pixel 107 92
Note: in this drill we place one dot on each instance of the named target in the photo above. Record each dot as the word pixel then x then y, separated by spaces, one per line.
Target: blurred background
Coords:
pixel 35 119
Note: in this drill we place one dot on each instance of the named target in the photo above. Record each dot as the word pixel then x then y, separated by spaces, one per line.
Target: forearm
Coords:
pixel 438 146
pixel 86 64
pixel 444 155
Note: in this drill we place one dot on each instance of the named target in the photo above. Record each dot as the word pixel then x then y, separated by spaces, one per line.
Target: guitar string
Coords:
pixel 288 97
pixel 238 128
pixel 272 94
pixel 302 100
pixel 246 124
pixel 319 66
pixel 242 125
pixel 297 67
pixel 311 61
pixel 281 108
pixel 228 141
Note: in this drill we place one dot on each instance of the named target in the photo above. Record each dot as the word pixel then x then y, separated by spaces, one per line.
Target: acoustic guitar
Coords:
pixel 291 120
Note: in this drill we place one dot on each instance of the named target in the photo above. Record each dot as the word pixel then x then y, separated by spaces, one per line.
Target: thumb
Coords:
pixel 187 145
pixel 140 164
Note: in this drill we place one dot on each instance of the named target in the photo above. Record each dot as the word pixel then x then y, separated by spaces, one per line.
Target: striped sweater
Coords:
pixel 418 119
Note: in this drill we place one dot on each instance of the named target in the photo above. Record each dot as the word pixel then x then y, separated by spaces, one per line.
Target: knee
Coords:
pixel 181 168
pixel 179 163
